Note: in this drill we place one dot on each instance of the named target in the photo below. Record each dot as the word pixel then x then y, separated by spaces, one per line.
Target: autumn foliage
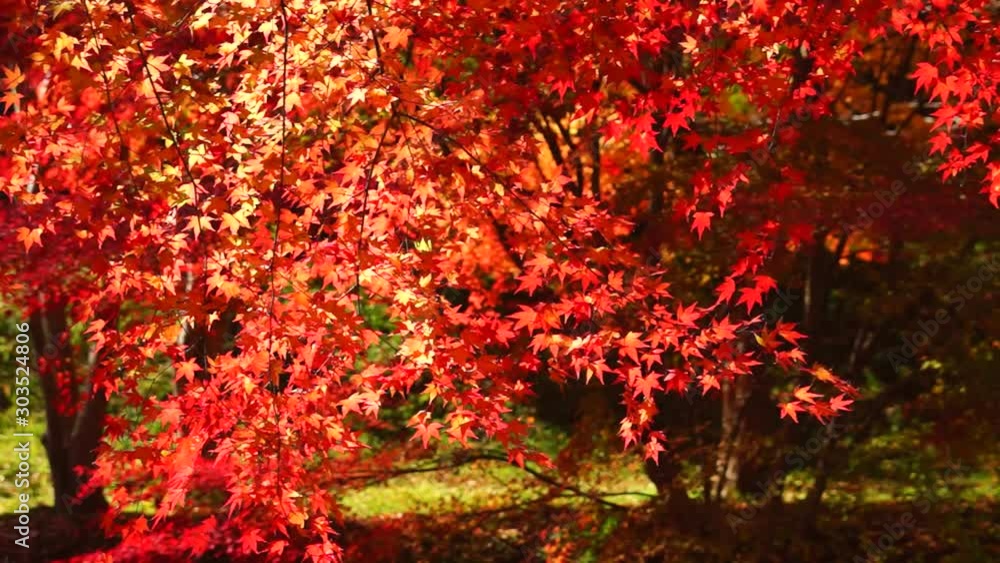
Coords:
pixel 247 229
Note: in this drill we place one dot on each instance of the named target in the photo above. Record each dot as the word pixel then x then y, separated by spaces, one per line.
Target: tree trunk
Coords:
pixel 814 500
pixel 72 434
pixel 677 504
pixel 734 397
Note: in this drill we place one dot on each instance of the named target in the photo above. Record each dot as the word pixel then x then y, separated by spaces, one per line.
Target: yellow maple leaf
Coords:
pixel 11 100
pixel 822 373
pixel 297 518
pixel 12 77
pixel 234 222
pixel 29 237
pixel 396 37
pixel 63 43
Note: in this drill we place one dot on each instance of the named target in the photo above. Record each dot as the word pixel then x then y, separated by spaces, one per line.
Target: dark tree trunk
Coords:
pixel 71 436
pixel 814 500
pixel 729 451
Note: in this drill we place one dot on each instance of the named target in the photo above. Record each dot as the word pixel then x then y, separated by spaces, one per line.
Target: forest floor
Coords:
pixel 493 513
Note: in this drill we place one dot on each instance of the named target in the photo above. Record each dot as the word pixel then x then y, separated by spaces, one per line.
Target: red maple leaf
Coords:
pixel 925 75
pixel 788 332
pixel 840 403
pixel 631 343
pixel 791 409
pixel 750 296
pixel 702 221
pixel 725 290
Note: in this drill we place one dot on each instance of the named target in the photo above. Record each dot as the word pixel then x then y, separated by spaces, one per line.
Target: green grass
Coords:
pixel 487 485
pixel 478 485
pixel 40 482
pixel 977 486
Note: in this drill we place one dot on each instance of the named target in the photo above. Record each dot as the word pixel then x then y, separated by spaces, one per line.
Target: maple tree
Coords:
pixel 204 203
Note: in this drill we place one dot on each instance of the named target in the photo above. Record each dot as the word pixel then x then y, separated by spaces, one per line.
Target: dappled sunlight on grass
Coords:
pixel 490 485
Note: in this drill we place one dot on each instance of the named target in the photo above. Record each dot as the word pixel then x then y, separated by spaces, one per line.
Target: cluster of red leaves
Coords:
pixel 962 75
pixel 168 166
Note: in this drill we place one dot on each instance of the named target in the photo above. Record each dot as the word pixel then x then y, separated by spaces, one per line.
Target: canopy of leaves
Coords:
pixel 305 213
